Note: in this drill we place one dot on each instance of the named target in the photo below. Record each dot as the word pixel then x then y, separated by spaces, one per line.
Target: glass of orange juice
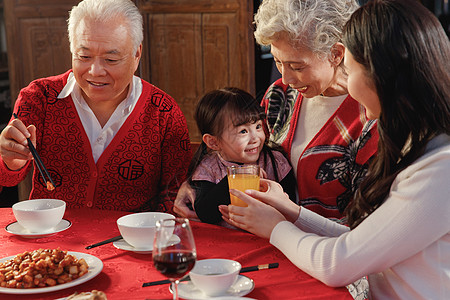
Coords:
pixel 242 178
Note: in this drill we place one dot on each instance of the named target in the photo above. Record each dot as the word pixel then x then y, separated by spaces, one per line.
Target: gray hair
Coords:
pixel 316 24
pixel 104 11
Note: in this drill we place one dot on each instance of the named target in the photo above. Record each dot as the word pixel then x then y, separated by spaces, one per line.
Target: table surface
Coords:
pixel 124 272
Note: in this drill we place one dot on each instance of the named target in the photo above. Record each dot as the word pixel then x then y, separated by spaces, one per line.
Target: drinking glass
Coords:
pixel 242 178
pixel 174 251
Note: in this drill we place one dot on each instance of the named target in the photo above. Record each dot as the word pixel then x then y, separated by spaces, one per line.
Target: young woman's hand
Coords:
pixel 272 193
pixel 258 218
pixel 264 211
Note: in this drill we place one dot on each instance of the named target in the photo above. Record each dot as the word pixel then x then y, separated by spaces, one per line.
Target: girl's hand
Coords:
pixel 258 217
pixel 262 173
pixel 185 195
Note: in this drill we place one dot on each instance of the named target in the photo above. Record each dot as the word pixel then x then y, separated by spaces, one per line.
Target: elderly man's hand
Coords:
pixel 14 146
pixel 185 196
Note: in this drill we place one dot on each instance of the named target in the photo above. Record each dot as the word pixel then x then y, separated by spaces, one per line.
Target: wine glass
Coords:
pixel 174 252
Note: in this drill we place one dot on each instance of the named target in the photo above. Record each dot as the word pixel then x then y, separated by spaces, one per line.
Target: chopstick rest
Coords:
pixel 40 165
pixel 116 238
pixel 243 270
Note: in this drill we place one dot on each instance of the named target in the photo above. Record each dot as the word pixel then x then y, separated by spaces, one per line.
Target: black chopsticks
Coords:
pixel 243 270
pixel 116 238
pixel 40 165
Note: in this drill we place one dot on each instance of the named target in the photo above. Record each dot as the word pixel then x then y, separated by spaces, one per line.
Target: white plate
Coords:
pixel 233 298
pixel 17 229
pixel 95 267
pixel 122 245
pixel 241 287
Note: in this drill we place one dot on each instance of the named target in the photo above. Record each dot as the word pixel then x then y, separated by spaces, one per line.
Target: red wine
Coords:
pixel 174 264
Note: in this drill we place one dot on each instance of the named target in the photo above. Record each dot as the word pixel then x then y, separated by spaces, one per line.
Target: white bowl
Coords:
pixel 138 229
pixel 214 276
pixel 39 215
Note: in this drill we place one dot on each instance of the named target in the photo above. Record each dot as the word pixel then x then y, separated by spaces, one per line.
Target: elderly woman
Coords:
pixel 100 130
pixel 324 132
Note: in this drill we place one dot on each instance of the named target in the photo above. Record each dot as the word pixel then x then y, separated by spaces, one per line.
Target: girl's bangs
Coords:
pixel 243 114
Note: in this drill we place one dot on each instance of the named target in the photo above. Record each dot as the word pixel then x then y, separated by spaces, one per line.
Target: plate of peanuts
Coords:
pixel 46 270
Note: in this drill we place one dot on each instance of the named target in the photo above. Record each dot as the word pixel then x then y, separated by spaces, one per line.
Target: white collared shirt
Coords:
pixel 99 136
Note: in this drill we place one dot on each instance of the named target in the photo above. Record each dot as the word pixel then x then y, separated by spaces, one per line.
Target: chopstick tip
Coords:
pixel 50 186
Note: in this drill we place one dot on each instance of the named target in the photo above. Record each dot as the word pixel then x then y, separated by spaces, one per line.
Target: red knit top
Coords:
pixel 140 170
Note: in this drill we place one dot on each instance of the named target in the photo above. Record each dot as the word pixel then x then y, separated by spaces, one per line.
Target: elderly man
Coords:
pixel 109 139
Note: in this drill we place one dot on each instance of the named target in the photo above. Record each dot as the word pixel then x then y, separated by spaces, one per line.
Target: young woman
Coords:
pixel 397 59
pixel 231 123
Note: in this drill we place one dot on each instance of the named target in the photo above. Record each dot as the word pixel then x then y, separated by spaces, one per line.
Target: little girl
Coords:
pixel 231 123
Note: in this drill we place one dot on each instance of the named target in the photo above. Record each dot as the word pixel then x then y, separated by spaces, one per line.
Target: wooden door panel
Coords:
pixel 37 40
pixel 45 47
pixel 191 54
pixel 175 59
pixel 219 51
pixel 175 53
pixel 189 6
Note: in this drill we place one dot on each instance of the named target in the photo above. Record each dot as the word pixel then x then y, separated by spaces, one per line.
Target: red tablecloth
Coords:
pixel 124 272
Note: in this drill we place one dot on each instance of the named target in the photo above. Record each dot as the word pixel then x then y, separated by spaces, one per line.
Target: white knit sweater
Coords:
pixel 404 246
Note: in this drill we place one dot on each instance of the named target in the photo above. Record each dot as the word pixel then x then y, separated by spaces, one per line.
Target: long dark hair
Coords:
pixel 406 52
pixel 213 109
